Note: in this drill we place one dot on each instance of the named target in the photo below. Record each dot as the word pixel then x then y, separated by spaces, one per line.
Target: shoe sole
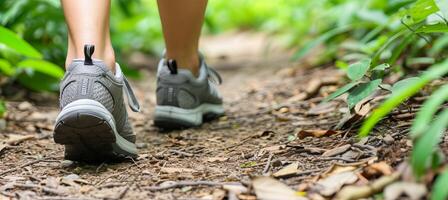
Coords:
pixel 170 117
pixel 88 131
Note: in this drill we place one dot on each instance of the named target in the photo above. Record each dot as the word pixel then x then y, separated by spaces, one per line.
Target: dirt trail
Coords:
pixel 266 115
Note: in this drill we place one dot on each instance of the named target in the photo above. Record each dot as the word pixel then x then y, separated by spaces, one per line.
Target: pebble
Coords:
pixel 388 139
pixel 67 163
pixel 72 176
pixel 24 106
pixel 141 145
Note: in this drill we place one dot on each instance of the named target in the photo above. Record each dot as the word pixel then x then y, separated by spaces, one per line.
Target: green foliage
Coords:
pixel 439 191
pixel 14 42
pixel 2 108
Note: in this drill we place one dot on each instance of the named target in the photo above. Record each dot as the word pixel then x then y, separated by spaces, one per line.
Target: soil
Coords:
pixel 270 105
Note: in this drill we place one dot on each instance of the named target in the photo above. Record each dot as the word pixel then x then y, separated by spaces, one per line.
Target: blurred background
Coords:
pixel 33 34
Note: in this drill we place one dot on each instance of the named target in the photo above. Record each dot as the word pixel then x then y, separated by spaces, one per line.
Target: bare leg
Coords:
pixel 182 21
pixel 88 23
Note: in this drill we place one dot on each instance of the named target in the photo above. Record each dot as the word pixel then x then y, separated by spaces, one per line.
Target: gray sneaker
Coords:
pixel 93 123
pixel 184 100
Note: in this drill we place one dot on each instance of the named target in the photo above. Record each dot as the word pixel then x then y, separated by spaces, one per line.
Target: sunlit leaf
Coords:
pixel 43 67
pixel 433 28
pixel 432 73
pixel 422 9
pixel 6 68
pixel 14 42
pixel 426 145
pixel 429 108
pixel 439 191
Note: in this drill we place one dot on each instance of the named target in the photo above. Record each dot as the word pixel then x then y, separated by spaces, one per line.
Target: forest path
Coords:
pixel 271 106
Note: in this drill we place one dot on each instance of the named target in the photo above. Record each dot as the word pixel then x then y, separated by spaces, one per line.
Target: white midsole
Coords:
pixel 193 116
pixel 92 106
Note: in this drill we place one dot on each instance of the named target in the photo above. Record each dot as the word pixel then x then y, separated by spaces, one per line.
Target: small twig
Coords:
pixel 268 163
pixel 43 188
pixel 337 158
pixel 25 165
pixel 99 167
pixel 181 153
pixel 186 183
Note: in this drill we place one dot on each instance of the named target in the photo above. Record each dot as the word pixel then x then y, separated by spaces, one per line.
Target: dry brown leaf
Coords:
pixel 273 149
pixel 330 185
pixel 336 151
pixel 315 133
pixel 172 170
pixel 267 188
pixel 289 170
pixel 381 168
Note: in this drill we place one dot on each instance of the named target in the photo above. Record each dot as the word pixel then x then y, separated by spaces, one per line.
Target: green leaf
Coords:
pixel 2 108
pixel 14 42
pixel 381 67
pixel 429 108
pixel 439 191
pixel 43 67
pixel 323 38
pixel 403 84
pixel 433 28
pixel 357 70
pixel 340 91
pixel 426 145
pixel 422 9
pixel 432 73
pixel 362 91
pixel 38 82
pixel 6 68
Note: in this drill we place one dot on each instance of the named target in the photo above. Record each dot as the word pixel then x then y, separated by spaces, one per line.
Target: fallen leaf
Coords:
pixel 315 133
pixel 375 169
pixel 413 191
pixel 289 170
pixel 267 188
pixel 171 170
pixel 364 191
pixel 217 159
pixel 336 151
pixel 330 185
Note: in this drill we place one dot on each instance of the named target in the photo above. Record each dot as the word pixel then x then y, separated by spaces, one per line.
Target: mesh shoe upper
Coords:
pixel 98 83
pixel 182 89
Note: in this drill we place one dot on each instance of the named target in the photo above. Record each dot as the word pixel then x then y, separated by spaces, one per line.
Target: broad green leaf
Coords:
pixel 323 38
pixel 432 73
pixel 428 110
pixel 6 68
pixel 43 67
pixel 404 84
pixel 12 41
pixel 422 9
pixel 439 191
pixel 357 70
pixel 38 82
pixel 426 145
pixel 433 28
pixel 340 91
pixel 362 91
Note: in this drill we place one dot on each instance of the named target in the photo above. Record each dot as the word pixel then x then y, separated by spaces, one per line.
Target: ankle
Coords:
pixel 188 61
pixel 105 53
